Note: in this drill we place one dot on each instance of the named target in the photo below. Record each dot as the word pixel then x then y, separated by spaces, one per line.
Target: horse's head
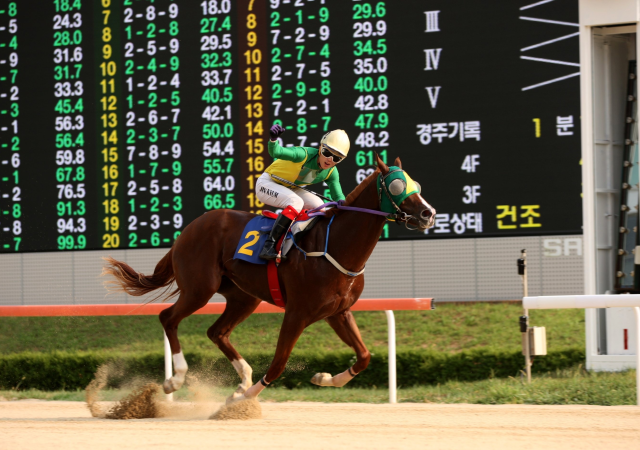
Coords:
pixel 400 195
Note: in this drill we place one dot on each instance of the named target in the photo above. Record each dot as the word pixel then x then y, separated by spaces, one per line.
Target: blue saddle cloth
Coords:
pixel 253 237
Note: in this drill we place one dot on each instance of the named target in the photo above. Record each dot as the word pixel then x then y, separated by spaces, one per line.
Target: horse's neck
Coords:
pixel 354 235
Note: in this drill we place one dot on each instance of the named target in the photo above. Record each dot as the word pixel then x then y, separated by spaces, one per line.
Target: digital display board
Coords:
pixel 123 120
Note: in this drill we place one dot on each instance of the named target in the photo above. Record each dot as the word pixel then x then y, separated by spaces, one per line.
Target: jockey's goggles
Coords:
pixel 329 154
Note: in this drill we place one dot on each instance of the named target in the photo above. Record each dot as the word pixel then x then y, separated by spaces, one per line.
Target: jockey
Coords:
pixel 301 166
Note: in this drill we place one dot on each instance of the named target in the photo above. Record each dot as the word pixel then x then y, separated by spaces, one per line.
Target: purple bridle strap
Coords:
pixel 316 211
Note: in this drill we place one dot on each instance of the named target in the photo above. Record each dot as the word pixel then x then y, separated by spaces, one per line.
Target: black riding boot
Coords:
pixel 282 224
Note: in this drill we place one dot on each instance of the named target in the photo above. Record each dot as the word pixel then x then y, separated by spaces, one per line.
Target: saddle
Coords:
pixel 255 233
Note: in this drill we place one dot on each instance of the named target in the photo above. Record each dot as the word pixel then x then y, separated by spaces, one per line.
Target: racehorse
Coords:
pixel 201 262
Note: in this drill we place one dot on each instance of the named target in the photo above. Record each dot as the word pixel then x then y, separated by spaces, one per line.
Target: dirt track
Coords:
pixel 41 424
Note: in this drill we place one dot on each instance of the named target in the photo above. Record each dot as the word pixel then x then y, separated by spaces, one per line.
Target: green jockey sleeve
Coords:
pixel 334 185
pixel 293 154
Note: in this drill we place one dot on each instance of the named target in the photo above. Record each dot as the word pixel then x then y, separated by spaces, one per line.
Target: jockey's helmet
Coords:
pixel 337 141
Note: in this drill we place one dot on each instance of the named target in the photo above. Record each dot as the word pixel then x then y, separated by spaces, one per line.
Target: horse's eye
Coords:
pixel 397 186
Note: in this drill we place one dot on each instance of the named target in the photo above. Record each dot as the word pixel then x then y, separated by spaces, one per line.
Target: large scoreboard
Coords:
pixel 123 120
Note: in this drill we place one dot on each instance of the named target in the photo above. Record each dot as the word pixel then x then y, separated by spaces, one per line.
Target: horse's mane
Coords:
pixel 354 194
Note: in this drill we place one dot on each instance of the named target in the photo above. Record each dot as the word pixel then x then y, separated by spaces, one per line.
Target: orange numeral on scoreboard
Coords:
pixel 254 92
pixel 257 129
pixel 253 56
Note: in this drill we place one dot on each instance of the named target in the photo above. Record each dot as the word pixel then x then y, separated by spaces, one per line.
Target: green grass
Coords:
pixel 569 387
pixel 574 386
pixel 450 328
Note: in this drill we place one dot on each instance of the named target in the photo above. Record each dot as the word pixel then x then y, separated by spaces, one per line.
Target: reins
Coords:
pixel 399 216
pixel 316 211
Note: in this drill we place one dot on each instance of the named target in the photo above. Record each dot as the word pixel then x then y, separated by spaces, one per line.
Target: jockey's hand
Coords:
pixel 341 202
pixel 275 131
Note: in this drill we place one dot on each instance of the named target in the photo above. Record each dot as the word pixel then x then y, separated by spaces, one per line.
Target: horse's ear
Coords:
pixel 397 162
pixel 381 165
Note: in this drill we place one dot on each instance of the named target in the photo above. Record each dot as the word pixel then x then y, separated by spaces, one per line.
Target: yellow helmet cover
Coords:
pixel 337 141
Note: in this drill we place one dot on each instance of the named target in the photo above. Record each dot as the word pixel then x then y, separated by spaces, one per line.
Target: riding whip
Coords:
pixel 276 177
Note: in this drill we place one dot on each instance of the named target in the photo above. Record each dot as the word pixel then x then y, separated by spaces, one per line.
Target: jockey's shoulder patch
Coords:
pixel 252 239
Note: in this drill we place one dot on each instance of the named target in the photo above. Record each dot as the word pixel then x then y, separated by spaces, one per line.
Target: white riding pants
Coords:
pixel 273 194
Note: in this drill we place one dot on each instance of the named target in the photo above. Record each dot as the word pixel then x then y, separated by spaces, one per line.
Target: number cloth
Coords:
pixel 254 234
pixel 253 237
pixel 300 166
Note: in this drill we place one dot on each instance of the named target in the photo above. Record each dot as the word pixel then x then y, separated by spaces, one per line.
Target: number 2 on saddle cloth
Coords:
pixel 254 235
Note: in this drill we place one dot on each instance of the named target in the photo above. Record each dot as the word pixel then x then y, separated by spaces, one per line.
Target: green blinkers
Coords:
pixel 399 186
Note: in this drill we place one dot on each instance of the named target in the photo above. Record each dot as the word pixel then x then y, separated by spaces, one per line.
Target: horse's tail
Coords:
pixel 133 283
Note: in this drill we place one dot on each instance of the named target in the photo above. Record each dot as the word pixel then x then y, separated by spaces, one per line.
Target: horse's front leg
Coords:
pixel 345 326
pixel 292 327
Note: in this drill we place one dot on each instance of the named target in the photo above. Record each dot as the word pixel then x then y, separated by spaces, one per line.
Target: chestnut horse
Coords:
pixel 201 263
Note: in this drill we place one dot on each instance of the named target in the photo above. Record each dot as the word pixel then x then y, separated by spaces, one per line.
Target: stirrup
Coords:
pixel 272 256
pixel 269 256
pixel 270 253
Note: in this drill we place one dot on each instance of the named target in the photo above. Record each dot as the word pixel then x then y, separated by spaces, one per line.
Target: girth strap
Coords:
pixel 336 264
pixel 274 284
pixel 330 258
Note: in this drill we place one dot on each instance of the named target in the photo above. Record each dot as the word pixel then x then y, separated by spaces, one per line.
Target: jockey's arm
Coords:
pixel 294 154
pixel 334 186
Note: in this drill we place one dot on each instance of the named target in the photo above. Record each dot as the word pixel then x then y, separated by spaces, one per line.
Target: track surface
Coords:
pixel 41 424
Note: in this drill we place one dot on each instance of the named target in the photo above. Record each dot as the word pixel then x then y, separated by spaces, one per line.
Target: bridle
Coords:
pixel 400 216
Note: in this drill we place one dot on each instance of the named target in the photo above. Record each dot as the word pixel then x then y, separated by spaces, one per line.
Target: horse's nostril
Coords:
pixel 425 214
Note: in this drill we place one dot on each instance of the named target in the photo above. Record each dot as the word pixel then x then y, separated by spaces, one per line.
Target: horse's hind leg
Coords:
pixel 345 326
pixel 188 303
pixel 240 305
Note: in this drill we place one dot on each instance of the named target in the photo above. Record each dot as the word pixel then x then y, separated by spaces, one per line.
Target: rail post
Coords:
pixel 391 333
pixel 168 364
pixel 524 319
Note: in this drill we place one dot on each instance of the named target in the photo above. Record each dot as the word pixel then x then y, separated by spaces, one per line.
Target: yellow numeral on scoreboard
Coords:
pixel 537 122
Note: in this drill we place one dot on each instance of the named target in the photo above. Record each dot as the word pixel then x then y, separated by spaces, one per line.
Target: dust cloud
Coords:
pixel 146 400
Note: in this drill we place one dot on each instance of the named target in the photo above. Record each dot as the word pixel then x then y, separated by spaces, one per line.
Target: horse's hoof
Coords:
pixel 322 379
pixel 235 397
pixel 167 386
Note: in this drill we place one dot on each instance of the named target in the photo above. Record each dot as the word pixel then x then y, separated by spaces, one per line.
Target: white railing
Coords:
pixel 593 301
